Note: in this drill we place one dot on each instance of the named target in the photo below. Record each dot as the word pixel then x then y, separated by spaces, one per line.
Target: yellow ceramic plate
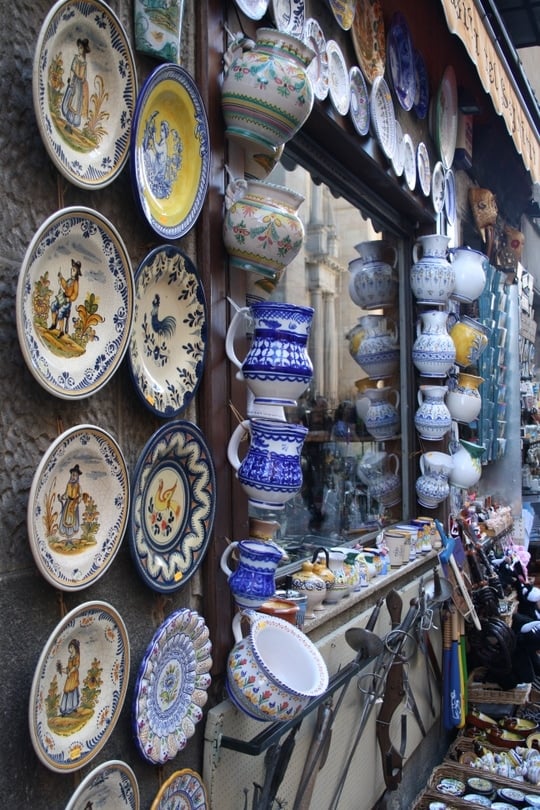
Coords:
pixel 170 156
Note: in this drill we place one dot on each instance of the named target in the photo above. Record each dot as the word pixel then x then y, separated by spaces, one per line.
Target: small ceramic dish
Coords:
pixel 339 86
pixel 111 784
pixel 183 790
pixel 383 118
pixel 480 720
pixel 409 162
pixel 317 70
pixel 503 738
pixel 289 16
pixel 519 725
pixel 398 158
pixel 480 785
pixel 343 11
pixel 424 169
pixel 253 9
pixel 84 87
pixel 359 108
pixel 451 786
pixel 437 187
pixel 369 38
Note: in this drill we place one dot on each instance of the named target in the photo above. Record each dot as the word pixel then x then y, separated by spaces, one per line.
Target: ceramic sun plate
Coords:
pixel 84 90
pixel 79 686
pixel 74 303
pixel 78 507
pixel 172 506
pixel 184 790
pixel 168 340
pixel 171 687
pixel 170 151
pixel 110 785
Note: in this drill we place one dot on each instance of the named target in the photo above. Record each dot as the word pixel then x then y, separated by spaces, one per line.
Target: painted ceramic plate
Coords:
pixel 168 341
pixel 317 70
pixel 409 162
pixel 450 196
pixel 172 506
pixel 421 98
pixel 343 11
pixel 398 158
pixel 183 790
pixel 110 786
pixel 75 303
pixel 400 55
pixel 170 151
pixel 359 108
pixel 369 39
pixel 446 117
pixel 254 9
pixel 382 116
pixel 339 86
pixel 84 89
pixel 424 169
pixel 437 187
pixel 171 687
pixel 79 686
pixel 158 28
pixel 78 507
pixel 289 16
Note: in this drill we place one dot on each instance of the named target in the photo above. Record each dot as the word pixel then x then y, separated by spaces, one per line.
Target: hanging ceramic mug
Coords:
pixel 253 580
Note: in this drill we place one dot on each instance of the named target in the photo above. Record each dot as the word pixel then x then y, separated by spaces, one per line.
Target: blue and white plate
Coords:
pixel 317 70
pixel 343 11
pixel 173 506
pixel 383 118
pixel 398 158
pixel 400 55
pixel 289 16
pixel 167 346
pixel 183 790
pixel 450 196
pixel 359 108
pixel 171 687
pixel 421 98
pixel 254 9
pixel 424 168
pixel 111 785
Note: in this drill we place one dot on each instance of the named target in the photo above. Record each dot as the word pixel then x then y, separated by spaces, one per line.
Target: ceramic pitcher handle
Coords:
pixel 421 465
pixel 397 398
pixel 415 252
pixel 234 191
pixel 238 319
pixel 237 623
pixel 394 457
pixel 393 252
pixel 224 562
pixel 234 442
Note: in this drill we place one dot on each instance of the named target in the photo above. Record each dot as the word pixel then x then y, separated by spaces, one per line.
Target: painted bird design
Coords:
pixel 164 498
pixel 162 326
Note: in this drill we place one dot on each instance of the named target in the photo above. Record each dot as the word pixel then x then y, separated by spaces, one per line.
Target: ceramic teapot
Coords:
pixel 432 275
pixel 373 343
pixel 470 274
pixel 433 351
pixel 432 419
pixel 253 580
pixel 373 282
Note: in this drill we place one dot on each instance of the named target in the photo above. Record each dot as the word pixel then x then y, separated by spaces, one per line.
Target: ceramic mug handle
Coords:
pixel 239 318
pixel 234 443
pixel 224 562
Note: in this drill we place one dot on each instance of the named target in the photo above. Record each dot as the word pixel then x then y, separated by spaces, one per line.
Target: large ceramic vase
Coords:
pixel 374 345
pixel 262 231
pixel 463 399
pixel 266 94
pixel 432 275
pixel 433 351
pixel 470 274
pixel 432 418
pixel 373 282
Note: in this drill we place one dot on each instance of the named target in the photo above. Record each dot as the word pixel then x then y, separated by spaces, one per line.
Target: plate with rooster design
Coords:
pixel 172 506
pixel 167 347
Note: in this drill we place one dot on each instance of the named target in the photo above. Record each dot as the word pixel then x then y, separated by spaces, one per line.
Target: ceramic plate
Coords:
pixel 110 786
pixel 289 16
pixel 168 340
pixel 183 790
pixel 446 117
pixel 78 507
pixel 173 506
pixel 382 116
pixel 369 40
pixel 79 686
pixel 171 686
pixel 421 98
pixel 359 108
pixel 437 187
pixel 409 162
pixel 424 169
pixel 317 71
pixel 84 89
pixel 254 9
pixel 74 303
pixel 170 151
pixel 343 11
pixel 450 196
pixel 400 56
pixel 339 86
pixel 398 158
pixel 158 28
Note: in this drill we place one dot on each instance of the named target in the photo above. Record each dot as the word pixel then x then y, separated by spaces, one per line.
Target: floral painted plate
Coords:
pixel 359 109
pixel 289 16
pixel 158 28
pixel 437 187
pixel 400 56
pixel 74 303
pixel 183 790
pixel 343 11
pixel 79 686
pixel 383 117
pixel 421 98
pixel 253 9
pixel 339 86
pixel 317 70
pixel 171 687
pixel 167 347
pixel 409 162
pixel 170 151
pixel 369 40
pixel 173 505
pixel 111 785
pixel 424 169
pixel 84 90
pixel 78 507
pixel 446 117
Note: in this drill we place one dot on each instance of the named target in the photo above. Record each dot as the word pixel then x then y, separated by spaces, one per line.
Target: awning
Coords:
pixel 464 19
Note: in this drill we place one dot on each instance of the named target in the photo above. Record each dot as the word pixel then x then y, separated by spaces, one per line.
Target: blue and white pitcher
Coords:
pixel 253 580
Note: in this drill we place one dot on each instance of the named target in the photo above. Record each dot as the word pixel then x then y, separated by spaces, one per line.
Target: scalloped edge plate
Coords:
pixel 313 37
pixel 111 784
pixel 383 117
pixel 185 784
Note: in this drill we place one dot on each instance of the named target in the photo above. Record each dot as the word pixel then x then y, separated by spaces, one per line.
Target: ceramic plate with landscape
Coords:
pixel 171 687
pixel 168 340
pixel 183 790
pixel 170 151
pixel 79 686
pixel 172 506
pixel 84 91
pixel 74 303
pixel 110 786
pixel 78 507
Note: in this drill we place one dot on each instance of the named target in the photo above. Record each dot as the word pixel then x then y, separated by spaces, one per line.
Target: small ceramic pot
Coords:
pixel 307 582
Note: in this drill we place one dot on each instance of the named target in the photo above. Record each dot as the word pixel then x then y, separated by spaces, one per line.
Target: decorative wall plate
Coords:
pixel 409 162
pixel 74 303
pixel 400 55
pixel 421 98
pixel 289 16
pixel 424 169
pixel 317 70
pixel 111 786
pixel 437 187
pixel 167 346
pixel 183 790
pixel 446 117
pixel 79 686
pixel 383 117
pixel 369 39
pixel 170 151
pixel 171 687
pixel 343 11
pixel 172 506
pixel 78 507
pixel 359 108
pixel 398 158
pixel 450 196
pixel 84 87
pixel 254 9
pixel 158 28
pixel 339 87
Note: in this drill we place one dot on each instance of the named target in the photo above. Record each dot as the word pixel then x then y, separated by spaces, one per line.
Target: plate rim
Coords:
pixel 356 72
pixel 410 178
pixel 438 169
pixel 183 77
pixel 424 185
pixel 45 460
pixel 148 259
pixel 85 607
pixel 36 75
pixel 379 82
pixel 399 167
pixel 172 778
pixel 117 764
pixel 289 29
pixel 340 106
pixel 450 196
pixel 105 224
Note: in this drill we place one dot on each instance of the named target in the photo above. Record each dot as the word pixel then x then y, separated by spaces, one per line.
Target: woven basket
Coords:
pixel 423 801
pixel 454 770
pixel 483 206
pixel 478 692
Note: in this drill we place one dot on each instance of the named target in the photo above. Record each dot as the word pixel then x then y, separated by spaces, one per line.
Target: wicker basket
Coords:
pixel 479 692
pixel 454 770
pixel 423 801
